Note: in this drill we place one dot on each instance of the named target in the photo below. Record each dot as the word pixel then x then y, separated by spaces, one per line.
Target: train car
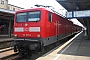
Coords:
pixel 37 28
pixel 77 28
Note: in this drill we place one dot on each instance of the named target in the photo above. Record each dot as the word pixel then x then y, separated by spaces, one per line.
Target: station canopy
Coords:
pixel 76 5
pixel 6 14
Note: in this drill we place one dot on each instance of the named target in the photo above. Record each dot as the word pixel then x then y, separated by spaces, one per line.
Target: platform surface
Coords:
pixel 6 38
pixel 77 48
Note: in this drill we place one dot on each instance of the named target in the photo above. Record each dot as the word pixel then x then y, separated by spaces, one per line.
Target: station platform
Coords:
pixel 6 38
pixel 77 48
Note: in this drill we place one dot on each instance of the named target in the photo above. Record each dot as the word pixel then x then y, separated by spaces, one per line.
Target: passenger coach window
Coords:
pixel 21 17
pixel 34 16
pixel 50 16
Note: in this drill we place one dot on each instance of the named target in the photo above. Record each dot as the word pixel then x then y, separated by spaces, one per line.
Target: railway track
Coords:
pixel 6 44
pixel 11 57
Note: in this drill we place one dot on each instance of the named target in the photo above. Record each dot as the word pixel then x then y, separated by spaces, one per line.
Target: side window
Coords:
pixel 50 16
pixel 7 0
pixel 2 2
pixel 13 9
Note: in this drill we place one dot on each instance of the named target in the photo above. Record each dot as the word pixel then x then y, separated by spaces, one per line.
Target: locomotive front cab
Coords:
pixel 27 24
pixel 27 30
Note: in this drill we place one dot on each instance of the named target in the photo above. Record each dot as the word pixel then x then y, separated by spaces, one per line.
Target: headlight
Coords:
pixel 15 35
pixel 38 35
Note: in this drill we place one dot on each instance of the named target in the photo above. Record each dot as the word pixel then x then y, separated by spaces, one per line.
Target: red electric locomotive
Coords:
pixel 36 28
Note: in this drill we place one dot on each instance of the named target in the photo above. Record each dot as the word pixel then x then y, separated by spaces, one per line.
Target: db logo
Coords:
pixel 26 29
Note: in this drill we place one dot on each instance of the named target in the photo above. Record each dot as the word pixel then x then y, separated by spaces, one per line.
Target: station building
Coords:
pixel 7 17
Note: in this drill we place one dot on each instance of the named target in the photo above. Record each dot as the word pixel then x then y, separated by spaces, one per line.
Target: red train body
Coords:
pixel 38 27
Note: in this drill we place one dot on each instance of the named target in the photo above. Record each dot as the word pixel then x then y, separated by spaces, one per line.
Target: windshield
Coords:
pixel 21 17
pixel 34 16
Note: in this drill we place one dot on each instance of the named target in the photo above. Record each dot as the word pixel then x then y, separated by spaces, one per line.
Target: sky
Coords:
pixel 30 3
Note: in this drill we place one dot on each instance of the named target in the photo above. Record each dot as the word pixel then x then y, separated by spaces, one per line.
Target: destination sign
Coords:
pixel 85 13
pixel 78 14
